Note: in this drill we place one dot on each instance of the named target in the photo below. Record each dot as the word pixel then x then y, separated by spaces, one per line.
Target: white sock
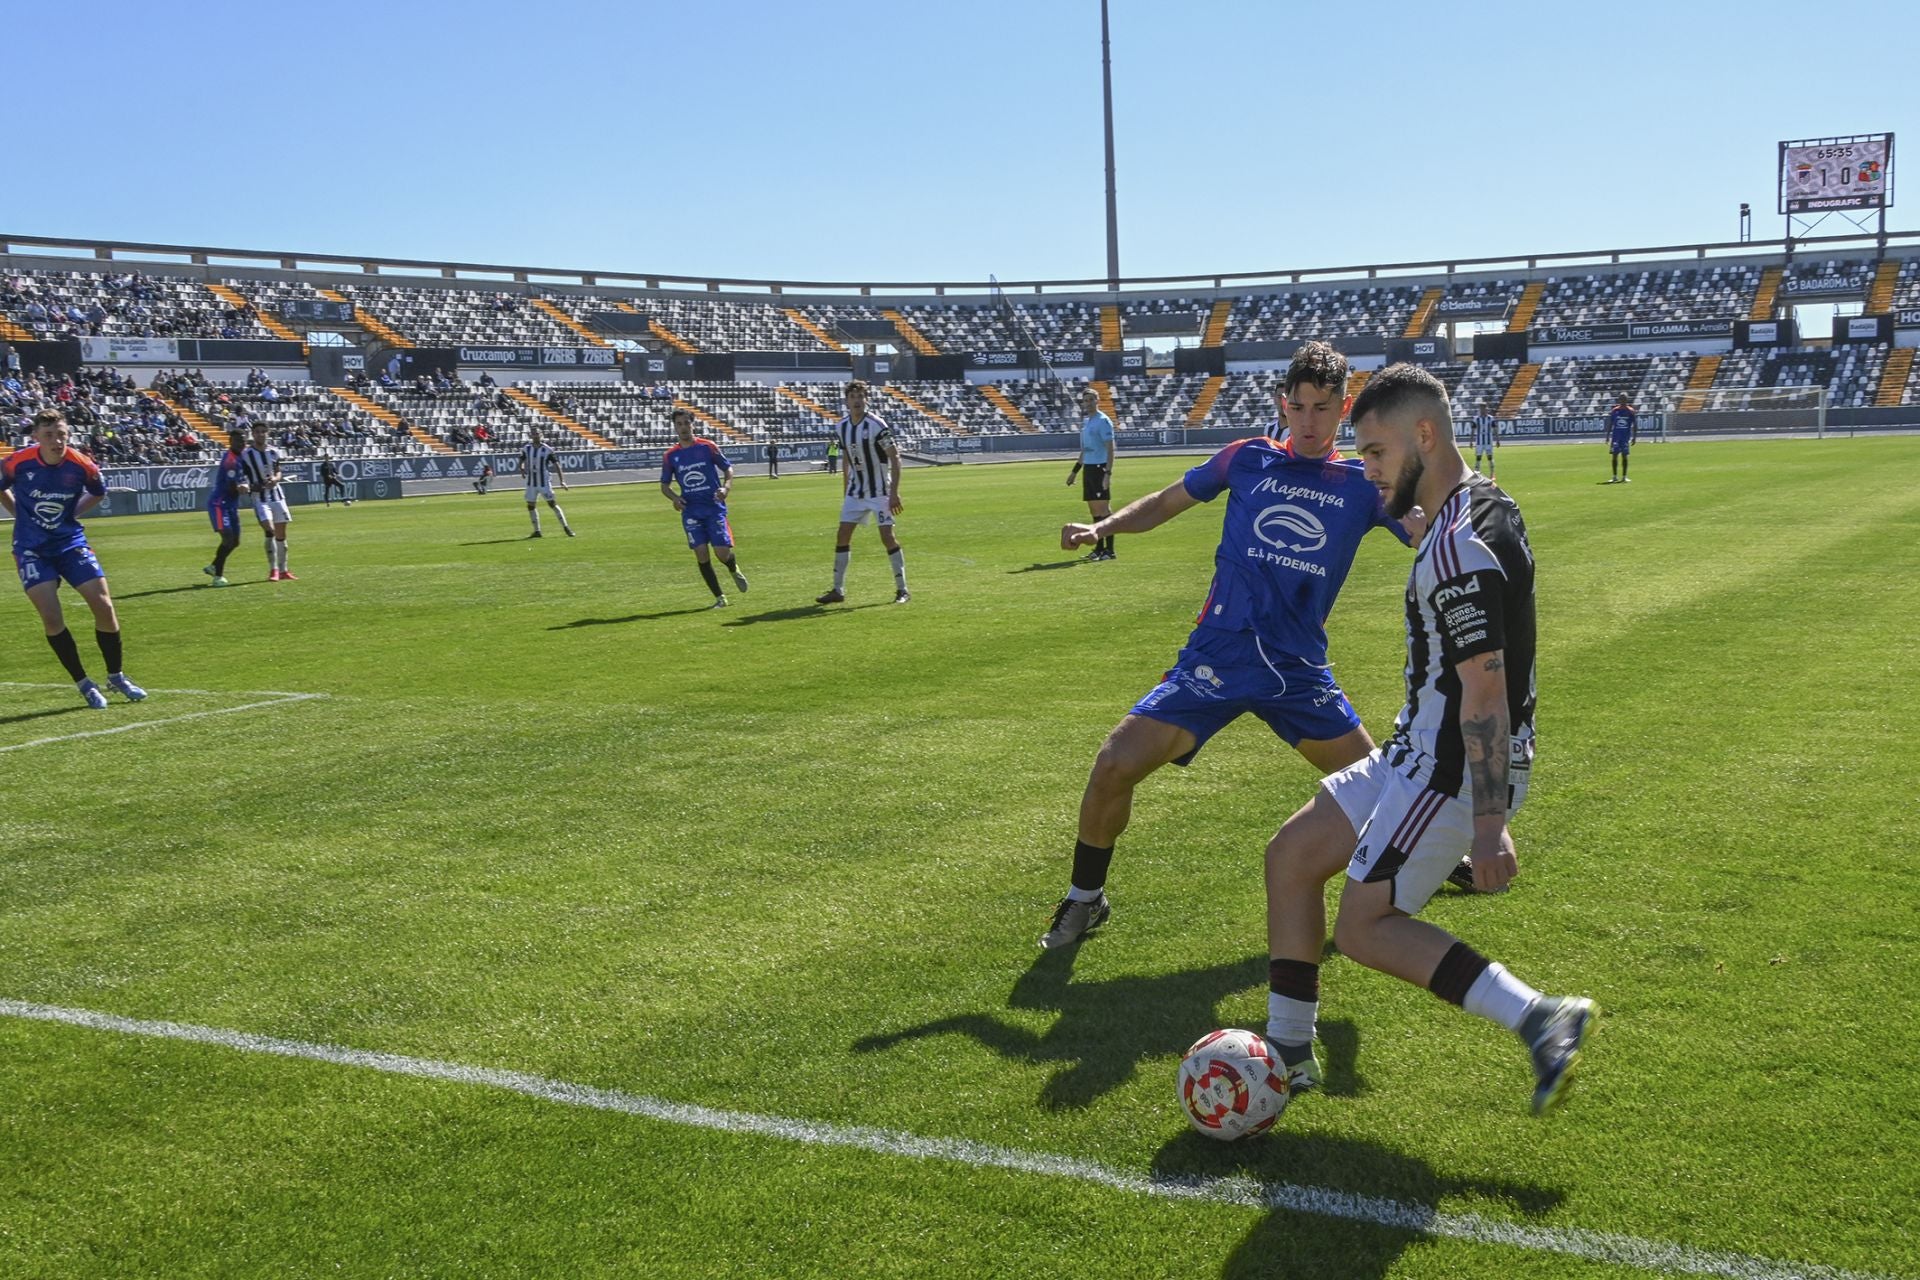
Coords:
pixel 840 559
pixel 280 554
pixel 1498 996
pixel 899 561
pixel 1291 1021
pixel 561 516
pixel 1076 894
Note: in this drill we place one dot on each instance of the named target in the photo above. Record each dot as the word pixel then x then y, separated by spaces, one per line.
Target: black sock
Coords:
pixel 1456 973
pixel 1090 865
pixel 227 544
pixel 1294 979
pixel 69 654
pixel 733 565
pixel 713 583
pixel 1106 544
pixel 109 642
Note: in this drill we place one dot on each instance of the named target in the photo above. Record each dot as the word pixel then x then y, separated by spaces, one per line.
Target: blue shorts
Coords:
pixel 76 564
pixel 1619 444
pixel 225 517
pixel 1221 675
pixel 706 527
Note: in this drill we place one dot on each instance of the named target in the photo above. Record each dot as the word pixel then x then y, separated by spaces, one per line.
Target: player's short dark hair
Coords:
pixel 1318 363
pixel 47 417
pixel 678 414
pixel 861 387
pixel 1404 386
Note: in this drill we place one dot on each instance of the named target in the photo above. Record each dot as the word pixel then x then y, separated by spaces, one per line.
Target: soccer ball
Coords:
pixel 1232 1085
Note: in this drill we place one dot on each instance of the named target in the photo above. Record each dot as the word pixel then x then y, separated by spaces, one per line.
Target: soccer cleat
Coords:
pixel 534 534
pixel 287 577
pixel 719 602
pixel 1462 877
pixel 569 530
pixel 902 596
pixel 835 596
pixel 1091 556
pixel 739 579
pixel 1073 920
pixel 218 582
pixel 91 692
pixel 127 688
pixel 209 571
pixel 1302 1075
pixel 273 575
pixel 1626 479
pixel 1556 1049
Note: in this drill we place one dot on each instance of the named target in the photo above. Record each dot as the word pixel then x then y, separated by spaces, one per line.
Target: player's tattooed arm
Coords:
pixel 1485 731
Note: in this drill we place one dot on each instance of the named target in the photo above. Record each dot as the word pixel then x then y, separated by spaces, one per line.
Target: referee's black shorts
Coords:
pixel 1094 482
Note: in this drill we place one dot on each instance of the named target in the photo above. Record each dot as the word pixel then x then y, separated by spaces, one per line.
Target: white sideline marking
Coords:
pixel 1594 1246
pixel 273 698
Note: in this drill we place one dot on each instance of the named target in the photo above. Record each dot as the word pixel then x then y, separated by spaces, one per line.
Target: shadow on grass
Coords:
pixel 1340 1208
pixel 495 542
pixel 41 715
pixel 1052 564
pixel 193 586
pixel 1106 1029
pixel 632 617
pixel 799 612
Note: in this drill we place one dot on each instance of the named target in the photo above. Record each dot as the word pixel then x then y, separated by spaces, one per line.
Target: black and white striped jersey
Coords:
pixel 1470 592
pixel 538 464
pixel 866 447
pixel 259 466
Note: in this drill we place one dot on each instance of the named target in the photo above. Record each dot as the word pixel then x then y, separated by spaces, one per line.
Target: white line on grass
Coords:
pixel 1595 1246
pixel 273 698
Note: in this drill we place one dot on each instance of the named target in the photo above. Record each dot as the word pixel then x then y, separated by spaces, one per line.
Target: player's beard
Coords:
pixel 1401 500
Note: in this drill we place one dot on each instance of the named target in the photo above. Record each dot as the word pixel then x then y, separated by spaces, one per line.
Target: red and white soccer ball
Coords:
pixel 1231 1085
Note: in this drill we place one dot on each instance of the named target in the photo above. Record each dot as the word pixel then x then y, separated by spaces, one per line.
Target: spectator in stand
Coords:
pixel 486 379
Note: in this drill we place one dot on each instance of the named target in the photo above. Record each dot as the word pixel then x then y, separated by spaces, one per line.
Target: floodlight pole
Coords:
pixel 1106 94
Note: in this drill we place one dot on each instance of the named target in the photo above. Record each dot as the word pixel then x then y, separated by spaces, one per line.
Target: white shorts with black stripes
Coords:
pixel 1406 833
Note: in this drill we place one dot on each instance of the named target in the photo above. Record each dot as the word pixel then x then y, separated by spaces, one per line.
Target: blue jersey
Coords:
pixel 1291 529
pixel 700 468
pixel 1621 422
pixel 227 479
pixel 45 499
pixel 1096 441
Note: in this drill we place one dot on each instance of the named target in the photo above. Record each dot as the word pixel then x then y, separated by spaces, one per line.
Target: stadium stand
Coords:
pixel 52 304
pixel 1323 313
pixel 1851 374
pixel 450 317
pixel 1580 387
pixel 1689 293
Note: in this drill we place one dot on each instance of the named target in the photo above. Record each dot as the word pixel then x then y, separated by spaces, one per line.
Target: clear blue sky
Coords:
pixel 913 141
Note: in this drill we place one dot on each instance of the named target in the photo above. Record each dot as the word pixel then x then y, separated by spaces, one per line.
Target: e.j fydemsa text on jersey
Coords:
pixel 46 496
pixel 1287 540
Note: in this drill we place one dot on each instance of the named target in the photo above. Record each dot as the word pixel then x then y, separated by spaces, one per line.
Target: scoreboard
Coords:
pixel 1823 174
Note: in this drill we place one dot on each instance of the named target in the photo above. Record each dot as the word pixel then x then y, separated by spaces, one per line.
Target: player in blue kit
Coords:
pixel 47 488
pixel 705 477
pixel 223 506
pixel 1296 512
pixel 1623 428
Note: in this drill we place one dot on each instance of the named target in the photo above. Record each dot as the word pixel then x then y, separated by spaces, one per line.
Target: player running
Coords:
pixel 46 488
pixel 261 464
pixel 1095 467
pixel 1449 778
pixel 540 467
pixel 705 476
pixel 1623 429
pixel 1483 433
pixel 1296 512
pixel 223 506
pixel 872 488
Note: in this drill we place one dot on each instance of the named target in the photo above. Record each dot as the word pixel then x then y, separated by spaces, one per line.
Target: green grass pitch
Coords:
pixel 554 817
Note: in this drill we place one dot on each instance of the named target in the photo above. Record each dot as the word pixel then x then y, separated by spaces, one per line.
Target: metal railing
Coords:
pixel 476 272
